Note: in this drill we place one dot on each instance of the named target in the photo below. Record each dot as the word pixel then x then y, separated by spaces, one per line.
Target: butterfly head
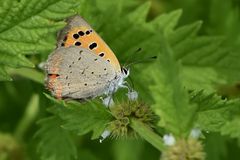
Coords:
pixel 125 72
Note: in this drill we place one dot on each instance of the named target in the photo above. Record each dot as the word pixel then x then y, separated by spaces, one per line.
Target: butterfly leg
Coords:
pixel 108 101
pixel 132 94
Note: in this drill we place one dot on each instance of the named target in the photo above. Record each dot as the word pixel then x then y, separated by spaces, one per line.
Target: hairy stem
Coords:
pixel 147 134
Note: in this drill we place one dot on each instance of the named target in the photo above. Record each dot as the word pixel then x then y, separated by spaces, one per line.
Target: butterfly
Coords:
pixel 82 66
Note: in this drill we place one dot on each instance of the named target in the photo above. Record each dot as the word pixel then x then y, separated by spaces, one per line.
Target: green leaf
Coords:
pixel 140 34
pixel 183 33
pixel 167 22
pixel 204 56
pixel 232 128
pixel 29 27
pixel 29 73
pixel 3 75
pixel 139 16
pixel 171 99
pixel 83 118
pixel 207 101
pixel 213 112
pixel 55 142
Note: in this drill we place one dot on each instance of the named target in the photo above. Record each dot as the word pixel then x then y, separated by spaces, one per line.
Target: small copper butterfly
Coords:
pixel 82 66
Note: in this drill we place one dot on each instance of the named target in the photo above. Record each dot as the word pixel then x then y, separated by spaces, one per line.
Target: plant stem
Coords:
pixel 28 117
pixel 147 134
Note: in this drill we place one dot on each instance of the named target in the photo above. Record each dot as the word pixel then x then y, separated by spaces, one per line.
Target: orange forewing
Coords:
pixel 85 36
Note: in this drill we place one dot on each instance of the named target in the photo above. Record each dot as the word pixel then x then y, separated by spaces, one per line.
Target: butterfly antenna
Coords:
pixel 148 59
pixel 131 56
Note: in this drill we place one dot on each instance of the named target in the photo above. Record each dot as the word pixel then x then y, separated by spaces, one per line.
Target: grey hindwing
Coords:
pixel 82 74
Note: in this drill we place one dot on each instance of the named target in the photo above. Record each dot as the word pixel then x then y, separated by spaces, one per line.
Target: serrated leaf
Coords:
pixel 143 35
pixel 213 112
pixel 140 14
pixel 55 142
pixel 84 118
pixel 167 21
pixel 207 101
pixel 26 25
pixel 171 99
pixel 204 56
pixel 3 75
pixel 184 32
pixel 232 128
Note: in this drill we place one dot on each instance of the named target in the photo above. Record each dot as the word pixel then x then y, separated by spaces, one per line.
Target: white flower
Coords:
pixel 195 133
pixel 169 140
pixel 104 135
pixel 132 95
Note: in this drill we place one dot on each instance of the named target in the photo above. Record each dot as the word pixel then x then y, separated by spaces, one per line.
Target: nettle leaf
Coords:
pixel 232 128
pixel 3 75
pixel 204 56
pixel 167 22
pixel 213 112
pixel 138 33
pixel 81 118
pixel 207 101
pixel 29 27
pixel 55 142
pixel 84 118
pixel 171 99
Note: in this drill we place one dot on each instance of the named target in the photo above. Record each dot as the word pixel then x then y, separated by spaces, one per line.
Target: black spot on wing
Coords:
pixel 76 36
pixel 77 43
pixel 93 45
pixel 101 54
pixel 81 33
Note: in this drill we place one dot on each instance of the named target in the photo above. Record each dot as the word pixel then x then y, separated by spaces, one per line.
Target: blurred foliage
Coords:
pixel 193 83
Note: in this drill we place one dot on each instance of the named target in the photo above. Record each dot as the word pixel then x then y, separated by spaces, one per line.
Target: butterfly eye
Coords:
pixel 124 71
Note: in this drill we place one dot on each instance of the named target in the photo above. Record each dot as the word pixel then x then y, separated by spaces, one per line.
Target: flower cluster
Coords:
pixel 184 149
pixel 10 149
pixel 123 113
